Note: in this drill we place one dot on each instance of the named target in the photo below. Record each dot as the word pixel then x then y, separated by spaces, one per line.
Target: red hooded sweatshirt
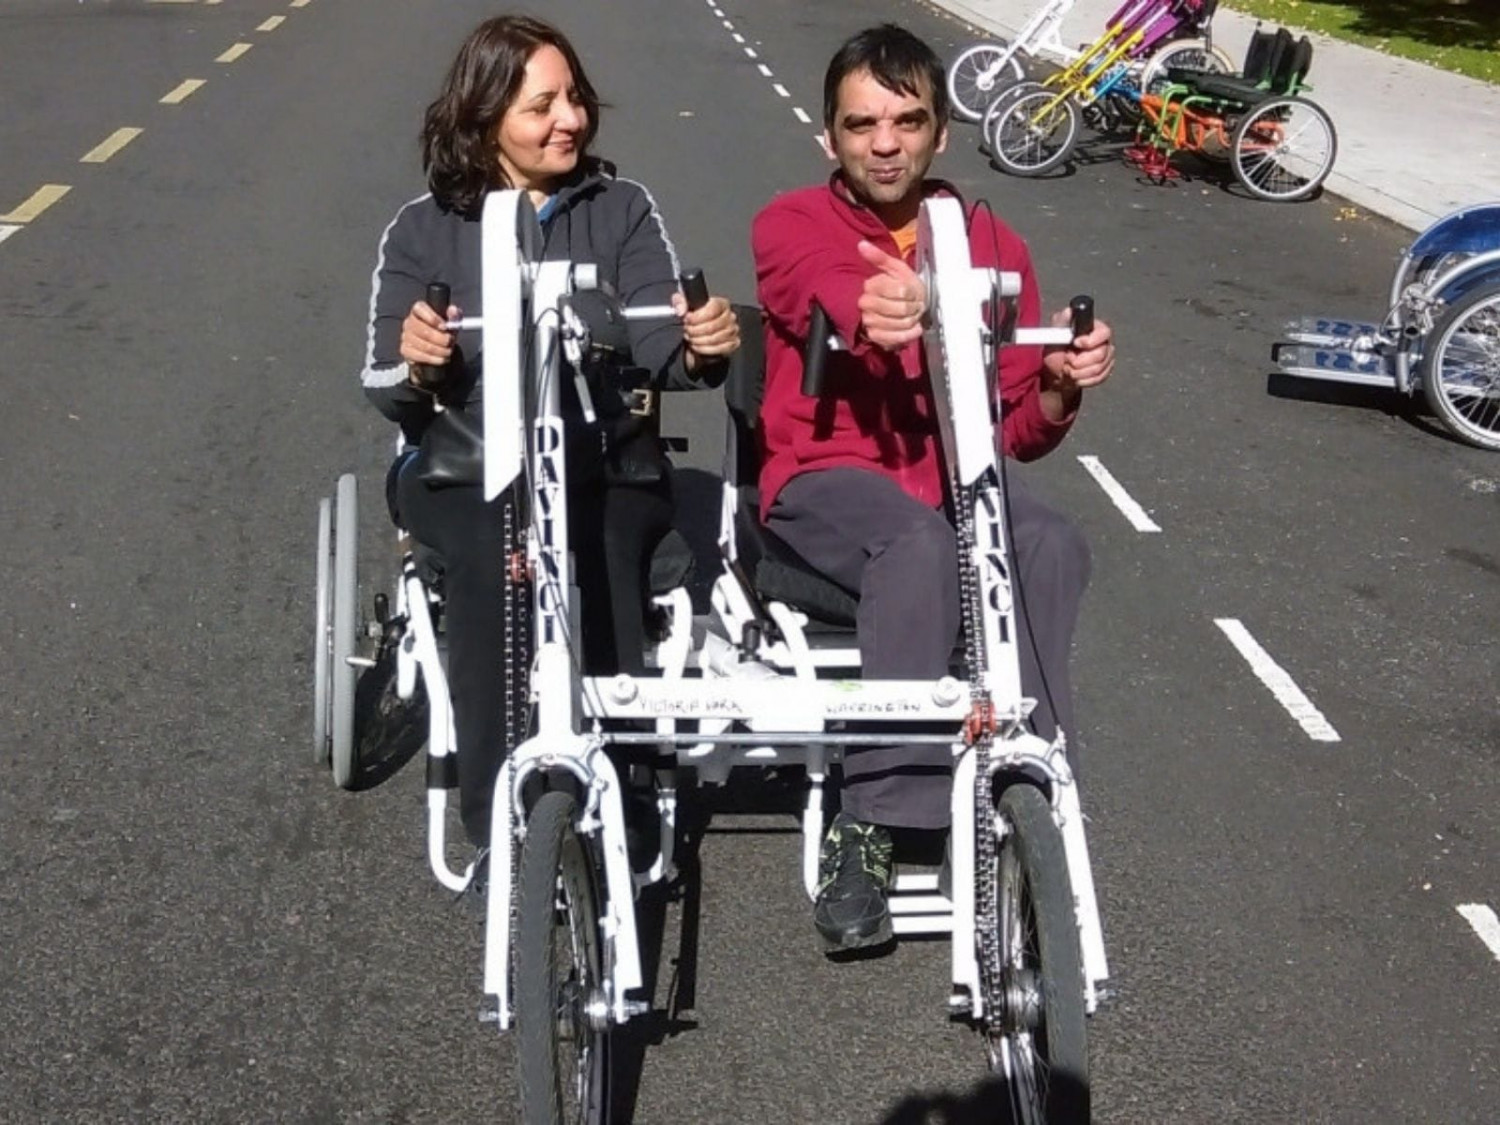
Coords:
pixel 878 411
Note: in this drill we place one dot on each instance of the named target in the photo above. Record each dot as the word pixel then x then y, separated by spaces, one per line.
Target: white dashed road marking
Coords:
pixel 1281 685
pixel 1116 492
pixel 182 91
pixel 1485 924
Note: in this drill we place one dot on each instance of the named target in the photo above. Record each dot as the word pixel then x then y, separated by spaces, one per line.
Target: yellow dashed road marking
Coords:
pixel 234 52
pixel 272 24
pixel 110 145
pixel 44 197
pixel 181 92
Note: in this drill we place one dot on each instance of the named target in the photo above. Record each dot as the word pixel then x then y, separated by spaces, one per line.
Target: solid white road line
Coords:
pixel 1275 677
pixel 1116 492
pixel 1485 924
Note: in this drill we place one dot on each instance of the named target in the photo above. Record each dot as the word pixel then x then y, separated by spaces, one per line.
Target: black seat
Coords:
pixel 773 570
pixel 1278 70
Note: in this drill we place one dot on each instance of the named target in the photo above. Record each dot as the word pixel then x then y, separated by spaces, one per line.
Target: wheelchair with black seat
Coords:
pixel 1280 145
pixel 767 679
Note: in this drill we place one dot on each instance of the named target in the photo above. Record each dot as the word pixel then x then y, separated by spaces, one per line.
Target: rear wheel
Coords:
pixel 345 622
pixel 1461 367
pixel 1034 131
pixel 562 1013
pixel 1283 149
pixel 1037 1037
pixel 978 74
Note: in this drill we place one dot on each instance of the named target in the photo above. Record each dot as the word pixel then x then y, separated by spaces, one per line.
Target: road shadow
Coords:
pixel 1410 409
pixel 986 1103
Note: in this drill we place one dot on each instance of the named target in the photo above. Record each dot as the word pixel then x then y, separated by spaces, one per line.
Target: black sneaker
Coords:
pixel 854 874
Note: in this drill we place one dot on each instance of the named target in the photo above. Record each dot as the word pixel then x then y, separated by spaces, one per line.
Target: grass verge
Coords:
pixel 1458 35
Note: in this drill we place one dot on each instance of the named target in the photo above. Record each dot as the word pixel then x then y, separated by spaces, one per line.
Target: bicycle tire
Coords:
pixel 970 87
pixel 1044 1018
pixel 1477 424
pixel 557 870
pixel 322 632
pixel 1188 53
pixel 341 673
pixel 1278 174
pixel 1034 132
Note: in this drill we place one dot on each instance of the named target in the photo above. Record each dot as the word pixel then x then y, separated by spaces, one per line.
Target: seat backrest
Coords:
pixel 1283 59
pixel 1299 62
pixel 1260 56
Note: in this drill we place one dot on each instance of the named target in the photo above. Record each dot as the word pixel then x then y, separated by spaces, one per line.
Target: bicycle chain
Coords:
pixel 516 600
pixel 980 734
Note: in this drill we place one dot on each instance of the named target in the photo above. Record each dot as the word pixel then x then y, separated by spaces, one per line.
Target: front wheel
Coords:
pixel 978 74
pixel 1037 1037
pixel 1283 149
pixel 1034 130
pixel 562 1012
pixel 1461 367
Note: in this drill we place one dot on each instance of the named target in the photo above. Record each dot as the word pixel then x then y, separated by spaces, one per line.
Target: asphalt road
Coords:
pixel 197 926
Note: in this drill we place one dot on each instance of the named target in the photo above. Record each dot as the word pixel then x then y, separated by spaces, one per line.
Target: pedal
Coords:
pixel 1337 365
pixel 1327 332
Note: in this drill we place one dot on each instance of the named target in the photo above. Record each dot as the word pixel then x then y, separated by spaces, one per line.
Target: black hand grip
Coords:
pixel 819 329
pixel 1083 315
pixel 694 288
pixel 439 297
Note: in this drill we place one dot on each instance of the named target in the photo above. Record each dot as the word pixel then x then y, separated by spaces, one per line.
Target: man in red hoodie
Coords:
pixel 854 483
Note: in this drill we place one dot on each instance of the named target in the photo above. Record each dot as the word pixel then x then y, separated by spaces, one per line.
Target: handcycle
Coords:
pixel 755 684
pixel 1177 31
pixel 1280 145
pixel 1440 333
pixel 1030 128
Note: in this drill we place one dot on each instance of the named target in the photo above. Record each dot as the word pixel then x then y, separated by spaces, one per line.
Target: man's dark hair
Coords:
pixel 897 59
pixel 458 147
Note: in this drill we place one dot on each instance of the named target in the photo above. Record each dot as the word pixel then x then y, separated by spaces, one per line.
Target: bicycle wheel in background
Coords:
pixel 1283 149
pixel 1184 54
pixel 978 74
pixel 1034 131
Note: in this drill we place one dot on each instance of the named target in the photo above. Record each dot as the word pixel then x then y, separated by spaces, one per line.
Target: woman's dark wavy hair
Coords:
pixel 458 148
pixel 898 60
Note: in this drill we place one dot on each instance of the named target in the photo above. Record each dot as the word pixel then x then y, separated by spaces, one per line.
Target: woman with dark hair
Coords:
pixel 517 112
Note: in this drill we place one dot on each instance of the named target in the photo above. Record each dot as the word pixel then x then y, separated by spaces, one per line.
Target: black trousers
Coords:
pixel 900 557
pixel 612 531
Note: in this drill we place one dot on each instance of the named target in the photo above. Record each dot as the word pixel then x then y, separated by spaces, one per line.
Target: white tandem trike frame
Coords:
pixel 727 696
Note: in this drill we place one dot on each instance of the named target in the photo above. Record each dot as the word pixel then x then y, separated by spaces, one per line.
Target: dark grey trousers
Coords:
pixel 900 557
